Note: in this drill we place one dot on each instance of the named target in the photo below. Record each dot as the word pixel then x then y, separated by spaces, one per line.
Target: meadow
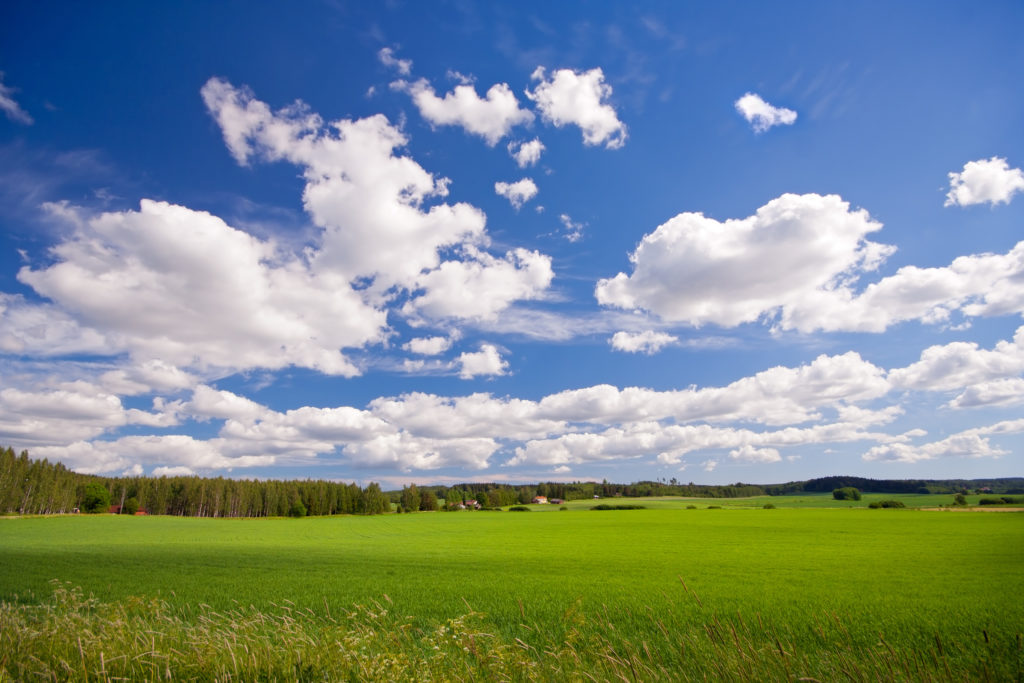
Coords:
pixel 665 592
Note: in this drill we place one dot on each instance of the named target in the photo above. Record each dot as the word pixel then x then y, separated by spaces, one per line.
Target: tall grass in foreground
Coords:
pixel 74 637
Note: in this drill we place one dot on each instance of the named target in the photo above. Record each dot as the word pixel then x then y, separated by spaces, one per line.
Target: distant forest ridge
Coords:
pixel 29 486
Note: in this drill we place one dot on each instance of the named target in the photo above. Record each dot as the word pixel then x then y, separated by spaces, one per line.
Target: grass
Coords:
pixel 822 582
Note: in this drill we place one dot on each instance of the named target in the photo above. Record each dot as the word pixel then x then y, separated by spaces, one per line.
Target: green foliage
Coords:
pixel 846 493
pixel 297 509
pixel 959 499
pixel 410 499
pixel 96 498
pixel 563 507
pixel 886 504
pixel 428 501
pixel 130 507
pixel 769 506
pixel 714 507
pixel 519 508
pixel 606 506
pixel 691 507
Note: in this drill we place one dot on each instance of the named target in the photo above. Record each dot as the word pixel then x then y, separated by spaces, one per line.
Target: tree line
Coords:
pixel 39 487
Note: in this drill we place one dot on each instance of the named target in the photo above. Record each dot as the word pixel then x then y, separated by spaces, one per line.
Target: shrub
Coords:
pixel 297 509
pixel 519 508
pixel 691 507
pixel 959 499
pixel 96 498
pixel 886 504
pixel 714 507
pixel 563 508
pixel 769 506
pixel 605 506
pixel 846 493
pixel 130 507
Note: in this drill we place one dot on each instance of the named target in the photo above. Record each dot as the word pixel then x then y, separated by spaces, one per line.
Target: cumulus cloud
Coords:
pixel 491 117
pixel 797 264
pixel 170 283
pixel 761 115
pixel 698 270
pixel 481 287
pixel 748 453
pixel 428 346
pixel 387 57
pixel 517 193
pixel 647 341
pixel 526 153
pixel 961 364
pixel 10 107
pixel 970 443
pixel 985 180
pixel 370 203
pixel 578 98
pixel 487 362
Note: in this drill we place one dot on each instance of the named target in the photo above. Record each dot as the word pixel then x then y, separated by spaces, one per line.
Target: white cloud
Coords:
pixel 579 98
pixel 428 346
pixel 777 396
pixel 208 402
pixel 45 330
pixel 796 264
pixel 369 202
pixel 176 471
pixel 985 180
pixel 10 107
pixel 526 153
pixel 960 365
pixel 971 443
pixel 761 115
pixel 517 193
pixel 748 453
pixel 573 230
pixel 388 59
pixel 999 392
pixel 698 270
pixel 487 361
pixel 491 117
pixel 647 341
pixel 169 283
pixel 483 286
pixel 709 465
pixel 73 411
pixel 168 453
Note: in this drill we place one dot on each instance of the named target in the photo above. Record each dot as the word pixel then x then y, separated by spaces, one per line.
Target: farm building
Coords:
pixel 540 499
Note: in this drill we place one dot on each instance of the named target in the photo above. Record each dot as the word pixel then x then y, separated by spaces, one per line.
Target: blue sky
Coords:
pixel 443 242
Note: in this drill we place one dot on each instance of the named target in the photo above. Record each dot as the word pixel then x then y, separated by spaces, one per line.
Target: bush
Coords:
pixel 519 508
pixel 691 507
pixel 886 504
pixel 959 499
pixel 563 508
pixel 96 498
pixel 769 506
pixel 605 506
pixel 297 509
pixel 714 507
pixel 846 493
pixel 130 507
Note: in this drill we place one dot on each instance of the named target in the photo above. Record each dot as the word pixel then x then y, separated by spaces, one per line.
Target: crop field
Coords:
pixel 665 592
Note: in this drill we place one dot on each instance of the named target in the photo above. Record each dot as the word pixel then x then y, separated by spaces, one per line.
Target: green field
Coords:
pixel 939 586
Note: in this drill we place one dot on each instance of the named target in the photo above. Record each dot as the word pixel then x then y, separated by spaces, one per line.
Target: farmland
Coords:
pixel 928 585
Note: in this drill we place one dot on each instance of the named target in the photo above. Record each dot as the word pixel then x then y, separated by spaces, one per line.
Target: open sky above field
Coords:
pixel 440 242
